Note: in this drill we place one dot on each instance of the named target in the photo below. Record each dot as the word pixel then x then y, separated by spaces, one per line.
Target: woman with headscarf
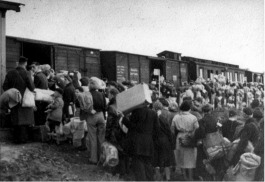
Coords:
pixel 184 124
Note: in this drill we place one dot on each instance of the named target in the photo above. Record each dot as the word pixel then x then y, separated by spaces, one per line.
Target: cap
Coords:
pixel 232 113
pixel 247 111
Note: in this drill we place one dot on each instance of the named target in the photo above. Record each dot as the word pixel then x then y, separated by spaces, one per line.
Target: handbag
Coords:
pixel 187 141
pixel 28 99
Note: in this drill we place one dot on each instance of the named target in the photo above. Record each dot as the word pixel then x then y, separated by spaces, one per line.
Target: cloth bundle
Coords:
pixel 44 95
pixel 245 169
pixel 98 83
pixel 75 127
pixel 109 154
pixel 28 99
pixel 199 80
pixel 216 145
pixel 13 96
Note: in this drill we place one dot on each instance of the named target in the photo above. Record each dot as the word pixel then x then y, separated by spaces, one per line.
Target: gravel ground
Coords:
pixel 50 162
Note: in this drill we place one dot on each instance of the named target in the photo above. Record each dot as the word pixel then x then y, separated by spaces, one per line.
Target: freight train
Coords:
pixel 119 66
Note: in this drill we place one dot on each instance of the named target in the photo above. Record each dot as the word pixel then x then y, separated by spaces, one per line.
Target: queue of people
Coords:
pixel 178 130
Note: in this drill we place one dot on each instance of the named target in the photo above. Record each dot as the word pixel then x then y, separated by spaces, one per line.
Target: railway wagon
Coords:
pixel 59 56
pixel 121 66
pixel 207 68
pixel 254 76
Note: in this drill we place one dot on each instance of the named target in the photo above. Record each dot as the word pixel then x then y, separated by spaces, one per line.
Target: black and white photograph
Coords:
pixel 132 90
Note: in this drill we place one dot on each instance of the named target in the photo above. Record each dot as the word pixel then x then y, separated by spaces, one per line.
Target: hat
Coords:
pixel 59 90
pixel 22 59
pixel 232 113
pixel 247 111
pixel 185 106
pixel 257 114
pixel 207 108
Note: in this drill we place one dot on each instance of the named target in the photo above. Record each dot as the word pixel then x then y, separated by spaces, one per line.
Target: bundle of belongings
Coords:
pixel 43 95
pixel 75 129
pixel 97 83
pixel 215 145
pixel 109 155
pixel 245 169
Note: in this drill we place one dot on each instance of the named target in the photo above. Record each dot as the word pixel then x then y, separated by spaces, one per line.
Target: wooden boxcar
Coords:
pixel 59 56
pixel 120 66
pixel 254 77
pixel 206 68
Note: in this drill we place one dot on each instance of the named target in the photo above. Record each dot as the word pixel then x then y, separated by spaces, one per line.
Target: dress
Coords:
pixel 185 123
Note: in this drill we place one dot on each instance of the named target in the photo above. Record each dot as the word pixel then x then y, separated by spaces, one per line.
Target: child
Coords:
pixel 55 110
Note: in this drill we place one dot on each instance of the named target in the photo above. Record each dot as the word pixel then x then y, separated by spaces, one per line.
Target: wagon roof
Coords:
pixel 48 43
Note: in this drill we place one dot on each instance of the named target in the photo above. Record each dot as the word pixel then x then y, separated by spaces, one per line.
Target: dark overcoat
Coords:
pixel 41 81
pixel 143 127
pixel 20 79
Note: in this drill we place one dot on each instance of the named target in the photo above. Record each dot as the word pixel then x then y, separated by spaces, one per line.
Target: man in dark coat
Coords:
pixel 69 98
pixel 21 117
pixel 207 125
pixel 229 126
pixel 41 82
pixel 143 128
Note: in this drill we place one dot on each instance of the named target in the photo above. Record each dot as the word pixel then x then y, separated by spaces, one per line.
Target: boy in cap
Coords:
pixel 230 125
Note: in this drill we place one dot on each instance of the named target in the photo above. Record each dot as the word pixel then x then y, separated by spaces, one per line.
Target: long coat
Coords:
pixel 185 123
pixel 68 97
pixel 20 79
pixel 143 127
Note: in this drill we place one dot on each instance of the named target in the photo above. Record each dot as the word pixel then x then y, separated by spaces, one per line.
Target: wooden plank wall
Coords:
pixel 85 61
pixel 184 72
pixel 121 67
pixel 172 69
pixel 144 69
pixel 92 63
pixel 134 68
pixel 12 53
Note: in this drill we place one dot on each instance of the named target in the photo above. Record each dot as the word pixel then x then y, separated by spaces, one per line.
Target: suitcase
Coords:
pixel 133 98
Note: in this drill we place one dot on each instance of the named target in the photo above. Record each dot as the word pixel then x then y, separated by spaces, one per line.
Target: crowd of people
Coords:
pixel 173 132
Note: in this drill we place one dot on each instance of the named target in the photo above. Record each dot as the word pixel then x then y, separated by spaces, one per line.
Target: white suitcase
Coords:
pixel 133 98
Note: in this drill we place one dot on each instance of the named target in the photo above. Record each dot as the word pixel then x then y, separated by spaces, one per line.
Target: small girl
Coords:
pixel 55 110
